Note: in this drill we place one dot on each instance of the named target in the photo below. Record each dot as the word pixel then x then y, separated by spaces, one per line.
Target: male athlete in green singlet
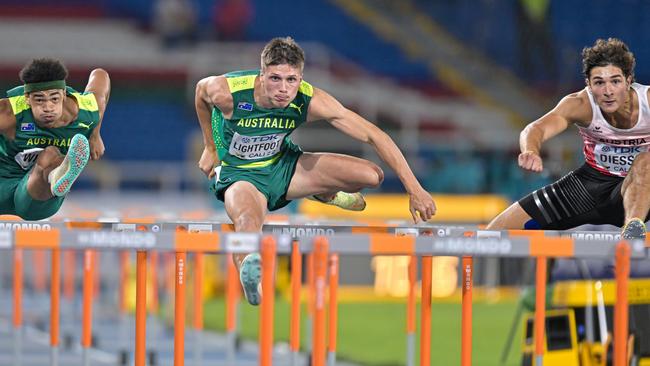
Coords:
pixel 246 119
pixel 39 122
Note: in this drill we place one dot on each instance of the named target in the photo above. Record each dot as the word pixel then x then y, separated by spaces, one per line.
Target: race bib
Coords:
pixel 617 159
pixel 27 158
pixel 255 147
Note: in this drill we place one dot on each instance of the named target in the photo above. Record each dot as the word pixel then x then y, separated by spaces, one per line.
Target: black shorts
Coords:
pixel 584 196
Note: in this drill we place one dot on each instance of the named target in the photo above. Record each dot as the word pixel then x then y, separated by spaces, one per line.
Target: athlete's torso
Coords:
pixel 256 136
pixel 18 155
pixel 612 150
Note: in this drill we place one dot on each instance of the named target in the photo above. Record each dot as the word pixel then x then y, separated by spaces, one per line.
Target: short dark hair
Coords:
pixel 43 69
pixel 612 51
pixel 283 50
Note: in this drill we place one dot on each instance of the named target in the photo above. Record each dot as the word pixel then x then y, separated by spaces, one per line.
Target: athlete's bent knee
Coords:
pixel 376 176
pixel 380 174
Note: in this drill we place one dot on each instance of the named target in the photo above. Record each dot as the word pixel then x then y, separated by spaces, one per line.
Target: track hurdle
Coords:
pixel 268 252
pixel 198 307
pixel 540 308
pixel 333 307
pixel 18 306
pixel 321 250
pixel 467 271
pixel 374 244
pixel 140 308
pixel 410 311
pixel 539 247
pixel 621 307
pixel 232 304
pixel 425 312
pixel 296 281
pixel 55 291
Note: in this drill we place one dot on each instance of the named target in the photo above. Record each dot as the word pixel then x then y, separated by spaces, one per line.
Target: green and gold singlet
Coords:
pixel 254 144
pixel 17 156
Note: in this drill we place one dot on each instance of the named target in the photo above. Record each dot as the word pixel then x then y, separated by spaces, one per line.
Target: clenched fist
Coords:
pixel 531 161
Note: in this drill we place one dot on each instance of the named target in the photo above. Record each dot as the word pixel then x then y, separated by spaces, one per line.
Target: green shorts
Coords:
pixel 15 200
pixel 272 180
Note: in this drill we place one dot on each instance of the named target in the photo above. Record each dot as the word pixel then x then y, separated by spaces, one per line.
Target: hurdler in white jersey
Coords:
pixel 613 117
pixel 612 150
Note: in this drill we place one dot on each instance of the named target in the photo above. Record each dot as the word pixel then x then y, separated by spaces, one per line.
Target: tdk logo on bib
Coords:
pixel 255 147
pixel 27 127
pixel 245 106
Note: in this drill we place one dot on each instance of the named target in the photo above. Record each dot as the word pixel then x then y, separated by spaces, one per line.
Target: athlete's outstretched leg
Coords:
pixel 246 207
pixel 347 201
pixel 514 217
pixel 334 179
pixel 636 197
pixel 40 193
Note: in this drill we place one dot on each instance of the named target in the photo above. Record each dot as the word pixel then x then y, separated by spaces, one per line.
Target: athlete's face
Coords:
pixel 47 106
pixel 609 87
pixel 280 84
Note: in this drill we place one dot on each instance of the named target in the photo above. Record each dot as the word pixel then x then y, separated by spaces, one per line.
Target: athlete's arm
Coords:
pixel 569 110
pixel 324 106
pixel 100 85
pixel 211 91
pixel 7 118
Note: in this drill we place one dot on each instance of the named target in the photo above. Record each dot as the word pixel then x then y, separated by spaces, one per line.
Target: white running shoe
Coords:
pixel 344 200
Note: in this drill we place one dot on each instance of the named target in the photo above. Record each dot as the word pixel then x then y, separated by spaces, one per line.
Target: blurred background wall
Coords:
pixel 452 81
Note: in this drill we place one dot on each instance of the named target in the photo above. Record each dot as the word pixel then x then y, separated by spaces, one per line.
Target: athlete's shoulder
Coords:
pixel 575 107
pixel 577 98
pixel 7 117
pixel 5 107
pixel 86 101
pixel 214 91
pixel 241 80
pixel 324 106
pixel 306 89
pixel 643 87
pixel 17 100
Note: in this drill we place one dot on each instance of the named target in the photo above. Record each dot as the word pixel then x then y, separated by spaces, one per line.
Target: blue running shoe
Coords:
pixel 250 275
pixel 62 177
